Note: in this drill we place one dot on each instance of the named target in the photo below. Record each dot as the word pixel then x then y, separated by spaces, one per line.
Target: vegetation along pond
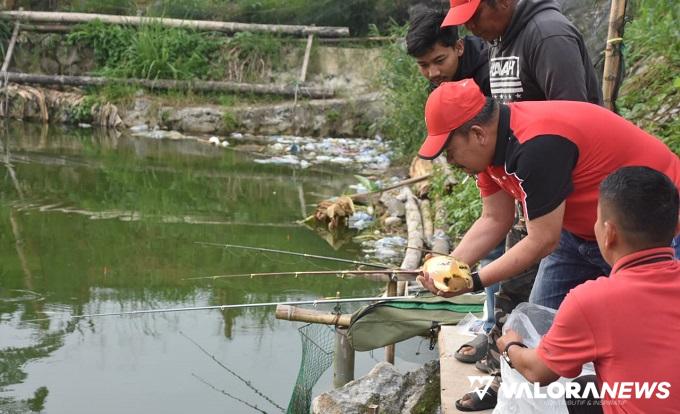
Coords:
pixel 92 222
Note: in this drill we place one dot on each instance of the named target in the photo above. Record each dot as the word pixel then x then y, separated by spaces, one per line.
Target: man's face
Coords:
pixel 467 153
pixel 440 63
pixel 490 22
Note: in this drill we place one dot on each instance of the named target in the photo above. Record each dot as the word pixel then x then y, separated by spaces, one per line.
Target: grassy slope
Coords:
pixel 650 94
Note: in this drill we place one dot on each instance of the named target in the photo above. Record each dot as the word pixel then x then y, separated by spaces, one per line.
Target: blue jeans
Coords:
pixel 573 262
pixel 491 290
pixel 676 245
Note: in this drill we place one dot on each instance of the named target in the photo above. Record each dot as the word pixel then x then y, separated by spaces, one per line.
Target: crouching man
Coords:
pixel 627 324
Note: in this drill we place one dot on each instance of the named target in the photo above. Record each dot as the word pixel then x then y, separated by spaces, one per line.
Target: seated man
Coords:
pixel 627 324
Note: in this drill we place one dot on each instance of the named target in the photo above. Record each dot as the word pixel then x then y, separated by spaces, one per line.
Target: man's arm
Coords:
pixel 543 237
pixel 559 70
pixel 498 214
pixel 526 360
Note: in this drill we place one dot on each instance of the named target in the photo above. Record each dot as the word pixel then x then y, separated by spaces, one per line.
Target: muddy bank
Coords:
pixel 349 117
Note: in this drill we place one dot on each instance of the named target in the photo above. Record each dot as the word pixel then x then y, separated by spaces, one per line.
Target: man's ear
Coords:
pixel 611 234
pixel 459 47
pixel 505 4
pixel 478 134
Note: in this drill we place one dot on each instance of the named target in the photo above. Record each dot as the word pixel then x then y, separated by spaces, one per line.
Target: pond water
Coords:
pixel 93 222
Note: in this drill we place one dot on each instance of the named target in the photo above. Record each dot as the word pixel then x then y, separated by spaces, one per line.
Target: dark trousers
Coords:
pixel 584 405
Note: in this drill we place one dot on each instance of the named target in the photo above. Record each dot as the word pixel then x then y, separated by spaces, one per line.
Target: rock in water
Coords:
pixel 393 392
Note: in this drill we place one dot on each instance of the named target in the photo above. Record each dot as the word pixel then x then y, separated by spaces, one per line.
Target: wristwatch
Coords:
pixel 505 354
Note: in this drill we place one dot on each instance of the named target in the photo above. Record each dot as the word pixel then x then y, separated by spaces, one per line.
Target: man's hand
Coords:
pixel 427 282
pixel 510 336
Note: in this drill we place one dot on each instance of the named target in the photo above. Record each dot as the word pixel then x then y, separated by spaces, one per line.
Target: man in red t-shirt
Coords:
pixel 627 324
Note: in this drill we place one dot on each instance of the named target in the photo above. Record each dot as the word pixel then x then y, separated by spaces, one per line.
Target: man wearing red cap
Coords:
pixel 551 157
pixel 536 54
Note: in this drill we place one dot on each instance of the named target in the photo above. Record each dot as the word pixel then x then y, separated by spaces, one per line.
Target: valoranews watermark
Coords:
pixel 611 391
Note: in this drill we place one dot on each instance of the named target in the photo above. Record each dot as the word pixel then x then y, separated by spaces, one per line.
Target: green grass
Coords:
pixel 150 52
pixel 462 204
pixel 651 88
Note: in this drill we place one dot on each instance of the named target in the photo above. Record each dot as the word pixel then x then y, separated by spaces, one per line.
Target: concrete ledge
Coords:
pixel 453 373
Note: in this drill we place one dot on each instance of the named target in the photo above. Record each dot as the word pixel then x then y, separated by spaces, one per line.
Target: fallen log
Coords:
pixel 207 25
pixel 195 85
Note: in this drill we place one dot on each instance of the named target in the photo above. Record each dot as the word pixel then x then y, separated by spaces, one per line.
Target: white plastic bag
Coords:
pixel 531 322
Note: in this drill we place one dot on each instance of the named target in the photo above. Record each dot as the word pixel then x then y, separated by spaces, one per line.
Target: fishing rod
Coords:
pixel 313 302
pixel 340 273
pixel 312 256
pixel 426 251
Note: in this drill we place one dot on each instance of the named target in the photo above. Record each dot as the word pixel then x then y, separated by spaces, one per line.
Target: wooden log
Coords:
pixel 294 313
pixel 343 359
pixel 305 61
pixel 47 28
pixel 207 25
pixel 414 225
pixel 441 242
pixel 612 53
pixel 202 86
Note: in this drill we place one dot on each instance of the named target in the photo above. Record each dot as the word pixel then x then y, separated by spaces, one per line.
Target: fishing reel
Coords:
pixel 448 274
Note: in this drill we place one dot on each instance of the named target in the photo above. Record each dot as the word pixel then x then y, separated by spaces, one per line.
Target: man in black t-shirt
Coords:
pixel 441 55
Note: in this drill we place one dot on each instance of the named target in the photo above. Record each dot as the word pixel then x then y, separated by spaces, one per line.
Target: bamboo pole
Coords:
pixel 293 313
pixel 343 359
pixel 10 48
pixel 203 86
pixel 305 61
pixel 227 27
pixel 409 181
pixel 612 53
pixel 390 350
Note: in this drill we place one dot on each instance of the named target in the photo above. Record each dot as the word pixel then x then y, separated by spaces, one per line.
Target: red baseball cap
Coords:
pixel 460 12
pixel 449 106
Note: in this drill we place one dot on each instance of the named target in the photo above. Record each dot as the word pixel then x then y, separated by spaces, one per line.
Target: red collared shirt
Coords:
pixel 628 324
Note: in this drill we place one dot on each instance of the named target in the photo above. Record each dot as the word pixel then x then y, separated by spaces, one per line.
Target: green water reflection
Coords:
pixel 95 222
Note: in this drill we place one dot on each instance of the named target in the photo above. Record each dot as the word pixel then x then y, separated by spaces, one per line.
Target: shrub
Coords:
pixel 150 52
pixel 406 93
pixel 652 88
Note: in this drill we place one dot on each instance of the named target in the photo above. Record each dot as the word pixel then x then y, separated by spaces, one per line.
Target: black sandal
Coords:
pixel 483 365
pixel 475 403
pixel 480 344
